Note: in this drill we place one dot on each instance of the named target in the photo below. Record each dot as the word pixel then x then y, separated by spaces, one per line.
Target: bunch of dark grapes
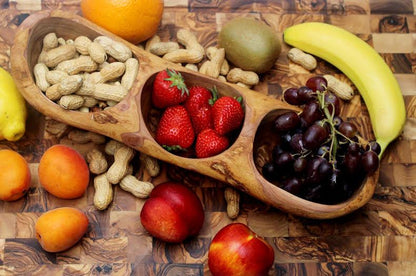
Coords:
pixel 319 156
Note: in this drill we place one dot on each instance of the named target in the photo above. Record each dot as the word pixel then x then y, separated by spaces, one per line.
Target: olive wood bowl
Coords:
pixel 126 121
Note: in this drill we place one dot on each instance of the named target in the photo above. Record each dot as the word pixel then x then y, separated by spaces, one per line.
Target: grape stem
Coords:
pixel 329 118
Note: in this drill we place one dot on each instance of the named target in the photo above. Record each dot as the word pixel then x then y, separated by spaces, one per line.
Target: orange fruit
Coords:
pixel 61 228
pixel 63 172
pixel 14 175
pixel 133 20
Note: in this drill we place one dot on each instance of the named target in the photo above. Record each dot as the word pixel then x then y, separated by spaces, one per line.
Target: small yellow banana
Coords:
pixel 363 66
pixel 13 110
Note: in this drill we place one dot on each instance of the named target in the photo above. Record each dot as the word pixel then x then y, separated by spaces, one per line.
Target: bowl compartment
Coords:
pixel 63 28
pixel 266 139
pixel 152 115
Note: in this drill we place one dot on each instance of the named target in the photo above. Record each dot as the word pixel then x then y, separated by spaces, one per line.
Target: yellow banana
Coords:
pixel 363 66
pixel 13 110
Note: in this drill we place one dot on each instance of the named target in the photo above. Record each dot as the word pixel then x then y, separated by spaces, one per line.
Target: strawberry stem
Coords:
pixel 214 93
pixel 177 81
pixel 173 148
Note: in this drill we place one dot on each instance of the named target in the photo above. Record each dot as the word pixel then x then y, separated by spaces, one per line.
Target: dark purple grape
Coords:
pixel 354 148
pixel 300 164
pixel 305 94
pixel 311 113
pixel 284 160
pixel 347 189
pixel 325 124
pixel 373 146
pixel 332 102
pixel 352 163
pixel 370 162
pixel 298 130
pixel 276 151
pixel 303 123
pixel 269 171
pixel 314 136
pixel 287 121
pixel 323 151
pixel 296 143
pixel 334 179
pixel 337 121
pixel 293 185
pixel 342 149
pixel 325 170
pixel 312 170
pixel 348 129
pixel 286 138
pixel 315 193
pixel 317 83
pixel 291 96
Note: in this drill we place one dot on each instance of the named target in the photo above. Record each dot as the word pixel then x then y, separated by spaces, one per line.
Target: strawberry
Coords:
pixel 198 97
pixel 202 119
pixel 210 143
pixel 199 108
pixel 175 130
pixel 227 114
pixel 169 89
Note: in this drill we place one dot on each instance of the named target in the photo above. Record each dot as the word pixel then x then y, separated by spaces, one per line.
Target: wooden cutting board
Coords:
pixel 378 239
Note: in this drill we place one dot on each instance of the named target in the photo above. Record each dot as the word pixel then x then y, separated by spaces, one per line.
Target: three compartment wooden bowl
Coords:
pixel 126 122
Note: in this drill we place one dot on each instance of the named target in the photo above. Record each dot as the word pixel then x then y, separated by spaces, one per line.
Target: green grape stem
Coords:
pixel 329 118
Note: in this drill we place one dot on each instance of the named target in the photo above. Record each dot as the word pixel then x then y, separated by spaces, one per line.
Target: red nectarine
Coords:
pixel 172 213
pixel 237 250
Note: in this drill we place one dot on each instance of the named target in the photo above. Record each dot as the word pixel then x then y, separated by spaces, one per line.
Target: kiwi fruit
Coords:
pixel 250 44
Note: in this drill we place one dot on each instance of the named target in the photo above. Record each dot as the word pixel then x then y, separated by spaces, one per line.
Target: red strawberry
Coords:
pixel 210 143
pixel 227 114
pixel 199 108
pixel 202 119
pixel 169 89
pixel 198 97
pixel 175 128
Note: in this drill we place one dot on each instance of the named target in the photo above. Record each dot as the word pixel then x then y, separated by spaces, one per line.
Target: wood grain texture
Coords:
pixel 378 239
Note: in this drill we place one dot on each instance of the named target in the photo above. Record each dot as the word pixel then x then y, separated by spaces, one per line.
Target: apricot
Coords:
pixel 61 228
pixel 14 175
pixel 63 172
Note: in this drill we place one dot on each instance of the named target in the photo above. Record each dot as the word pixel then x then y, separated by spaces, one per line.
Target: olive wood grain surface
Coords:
pixel 378 239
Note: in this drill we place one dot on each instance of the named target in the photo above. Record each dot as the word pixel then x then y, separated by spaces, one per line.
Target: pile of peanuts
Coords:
pixel 120 172
pixel 192 55
pixel 82 74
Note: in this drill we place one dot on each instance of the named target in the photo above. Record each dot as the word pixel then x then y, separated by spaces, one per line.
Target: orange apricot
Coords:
pixel 61 228
pixel 14 175
pixel 63 172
